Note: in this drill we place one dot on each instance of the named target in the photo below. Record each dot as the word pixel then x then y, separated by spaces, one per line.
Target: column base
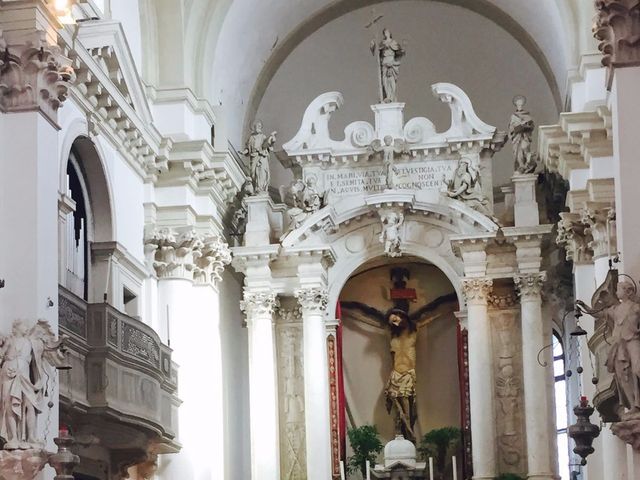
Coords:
pixel 483 477
pixel 542 476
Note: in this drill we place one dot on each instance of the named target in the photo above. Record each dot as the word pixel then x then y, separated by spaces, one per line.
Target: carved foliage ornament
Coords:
pixel 184 253
pixel 33 75
pixel 574 237
pixel 313 298
pixel 617 27
pixel 259 303
pixel 530 284
pixel 477 290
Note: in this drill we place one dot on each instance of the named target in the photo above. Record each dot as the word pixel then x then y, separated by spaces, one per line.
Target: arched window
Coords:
pixel 561 406
pixel 76 244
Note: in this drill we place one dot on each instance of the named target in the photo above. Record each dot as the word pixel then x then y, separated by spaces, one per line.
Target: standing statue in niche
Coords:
pixel 521 129
pixel 621 312
pixel 390 236
pixel 26 360
pixel 465 186
pixel 258 148
pixel 388 53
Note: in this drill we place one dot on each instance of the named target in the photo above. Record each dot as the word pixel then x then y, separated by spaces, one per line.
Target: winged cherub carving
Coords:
pixel 389 149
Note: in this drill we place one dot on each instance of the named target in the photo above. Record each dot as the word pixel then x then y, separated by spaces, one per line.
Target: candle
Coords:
pixel 368 470
pixel 455 468
pixel 430 468
pixel 342 476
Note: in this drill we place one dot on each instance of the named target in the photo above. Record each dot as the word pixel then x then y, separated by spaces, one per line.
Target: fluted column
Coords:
pixel 313 302
pixel 536 394
pixel 483 421
pixel 259 309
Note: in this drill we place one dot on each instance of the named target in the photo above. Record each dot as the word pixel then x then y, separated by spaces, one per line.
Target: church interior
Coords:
pixel 319 239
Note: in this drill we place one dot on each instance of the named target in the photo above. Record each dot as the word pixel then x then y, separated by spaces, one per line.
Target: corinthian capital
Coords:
pixel 477 290
pixel 258 303
pixel 601 225
pixel 529 285
pixel 33 75
pixel 617 27
pixel 575 238
pixel 312 298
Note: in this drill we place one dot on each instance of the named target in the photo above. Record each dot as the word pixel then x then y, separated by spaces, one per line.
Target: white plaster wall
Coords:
pixel 128 13
pixel 367 361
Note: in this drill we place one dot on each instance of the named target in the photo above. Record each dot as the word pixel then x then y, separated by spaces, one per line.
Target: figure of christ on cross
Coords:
pixel 400 390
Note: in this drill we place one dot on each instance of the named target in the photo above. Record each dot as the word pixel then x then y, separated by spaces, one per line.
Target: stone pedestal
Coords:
pixel 264 220
pixel 400 462
pixel 525 204
pixel 21 464
pixel 628 430
pixel 389 119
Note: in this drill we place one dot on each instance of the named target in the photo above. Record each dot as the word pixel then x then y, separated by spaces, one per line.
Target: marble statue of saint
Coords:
pixel 390 236
pixel 26 358
pixel 400 389
pixel 258 148
pixel 389 52
pixel 521 129
pixel 465 186
pixel 306 199
pixel 622 315
pixel 389 149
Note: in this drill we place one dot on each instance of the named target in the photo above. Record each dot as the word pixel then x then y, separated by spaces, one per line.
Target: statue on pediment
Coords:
pixel 305 199
pixel 389 148
pixel 388 53
pixel 27 357
pixel 258 148
pixel 465 185
pixel 521 128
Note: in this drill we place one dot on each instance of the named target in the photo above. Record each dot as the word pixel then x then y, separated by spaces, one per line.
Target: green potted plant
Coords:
pixel 366 445
pixel 441 444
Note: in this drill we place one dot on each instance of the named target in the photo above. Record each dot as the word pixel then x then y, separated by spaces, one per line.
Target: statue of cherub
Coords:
pixel 389 148
pixel 390 236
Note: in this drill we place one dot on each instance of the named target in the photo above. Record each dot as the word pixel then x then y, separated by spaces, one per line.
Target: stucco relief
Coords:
pixel 291 385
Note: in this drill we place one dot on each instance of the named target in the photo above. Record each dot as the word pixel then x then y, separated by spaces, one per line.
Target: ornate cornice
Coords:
pixel 617 27
pixel 530 285
pixel 33 76
pixel 184 253
pixel 312 298
pixel 477 290
pixel 573 235
pixel 601 226
pixel 259 303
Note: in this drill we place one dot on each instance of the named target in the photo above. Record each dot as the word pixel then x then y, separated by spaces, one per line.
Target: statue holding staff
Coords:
pixel 388 53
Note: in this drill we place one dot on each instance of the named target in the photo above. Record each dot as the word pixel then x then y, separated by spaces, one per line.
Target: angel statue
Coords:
pixel 389 148
pixel 26 360
pixel 258 148
pixel 400 390
pixel 621 312
pixel 388 53
pixel 521 129
pixel 390 236
pixel 465 185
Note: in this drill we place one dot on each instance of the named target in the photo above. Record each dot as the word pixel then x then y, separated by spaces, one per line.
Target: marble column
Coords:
pixel 259 308
pixel 483 421
pixel 537 408
pixel 313 302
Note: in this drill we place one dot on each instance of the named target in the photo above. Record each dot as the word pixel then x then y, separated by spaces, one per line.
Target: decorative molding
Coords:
pixel 617 27
pixel 601 226
pixel 529 285
pixel 332 357
pixel 477 290
pixel 33 76
pixel 259 303
pixel 313 299
pixel 508 300
pixel 184 253
pixel 574 236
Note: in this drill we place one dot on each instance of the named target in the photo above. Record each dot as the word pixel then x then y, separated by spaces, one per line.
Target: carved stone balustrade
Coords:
pixel 122 387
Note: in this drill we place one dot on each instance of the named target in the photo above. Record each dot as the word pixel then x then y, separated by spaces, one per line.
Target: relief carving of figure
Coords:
pixel 26 359
pixel 258 148
pixel 390 236
pixel 306 199
pixel 389 148
pixel 621 312
pixel 521 129
pixel 388 52
pixel 465 186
